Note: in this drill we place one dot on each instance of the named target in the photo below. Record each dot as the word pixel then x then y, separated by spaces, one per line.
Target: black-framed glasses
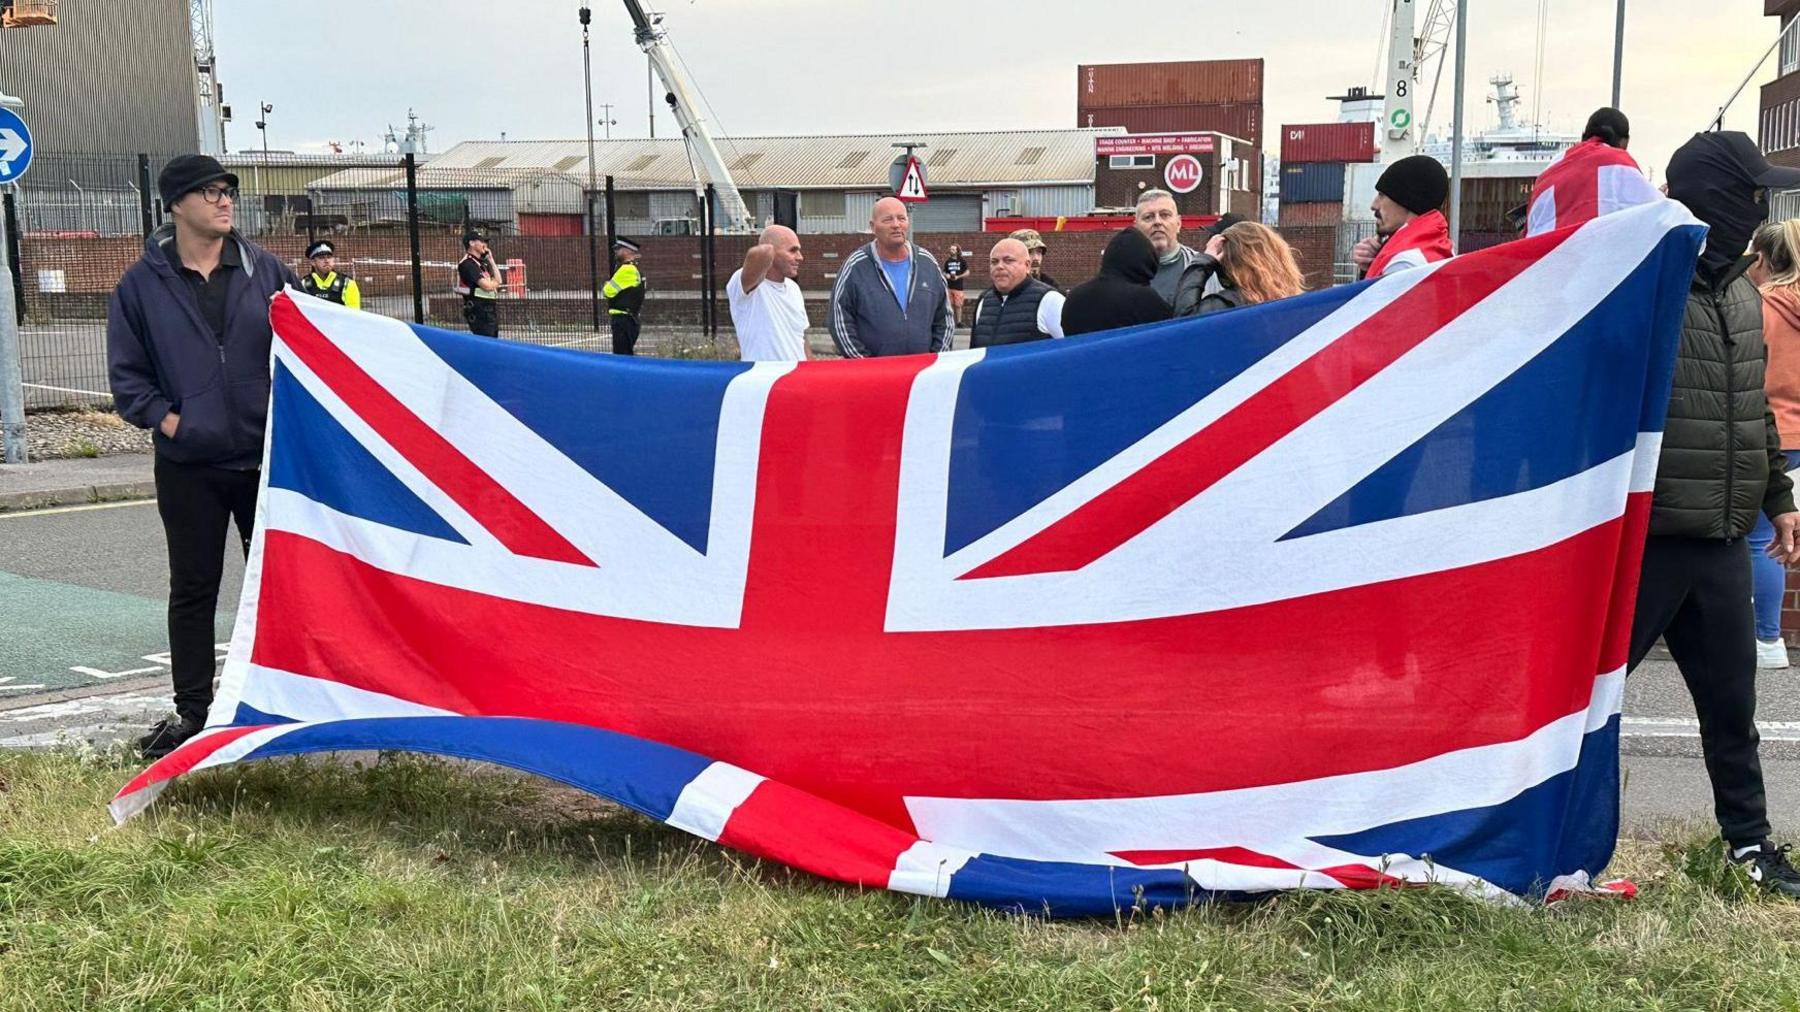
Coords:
pixel 213 194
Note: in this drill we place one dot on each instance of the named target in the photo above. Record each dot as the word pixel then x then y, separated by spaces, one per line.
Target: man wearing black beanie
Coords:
pixel 1410 231
pixel 187 346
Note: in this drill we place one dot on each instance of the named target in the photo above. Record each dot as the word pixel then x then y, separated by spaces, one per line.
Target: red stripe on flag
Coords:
pixel 793 827
pixel 190 754
pixel 1419 667
pixel 1120 513
pixel 1228 855
pixel 511 521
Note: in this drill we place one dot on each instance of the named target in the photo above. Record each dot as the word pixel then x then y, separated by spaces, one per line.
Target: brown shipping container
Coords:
pixel 1486 200
pixel 1328 142
pixel 1307 215
pixel 1241 119
pixel 1180 82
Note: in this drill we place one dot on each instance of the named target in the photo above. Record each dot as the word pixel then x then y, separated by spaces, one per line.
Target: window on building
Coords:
pixel 853 159
pixel 631 203
pixel 1790 46
pixel 822 203
pixel 1131 162
pixel 567 163
pixel 641 162
pixel 940 156
pixel 743 164
pixel 489 163
pixel 1030 155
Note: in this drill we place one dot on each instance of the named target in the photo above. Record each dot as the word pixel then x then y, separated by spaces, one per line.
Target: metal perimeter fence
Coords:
pixel 78 222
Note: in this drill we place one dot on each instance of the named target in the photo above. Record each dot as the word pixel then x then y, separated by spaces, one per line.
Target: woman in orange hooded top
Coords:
pixel 1777 274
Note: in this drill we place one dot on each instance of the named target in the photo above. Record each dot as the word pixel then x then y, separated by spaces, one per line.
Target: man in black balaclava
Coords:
pixel 1721 465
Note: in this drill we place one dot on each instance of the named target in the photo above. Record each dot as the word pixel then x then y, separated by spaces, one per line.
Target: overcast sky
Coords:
pixel 345 69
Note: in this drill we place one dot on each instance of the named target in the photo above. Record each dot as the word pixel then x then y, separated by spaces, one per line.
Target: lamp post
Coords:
pixel 587 79
pixel 1618 53
pixel 262 126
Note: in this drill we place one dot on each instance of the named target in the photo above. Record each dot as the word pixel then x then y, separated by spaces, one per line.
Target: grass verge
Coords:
pixel 405 883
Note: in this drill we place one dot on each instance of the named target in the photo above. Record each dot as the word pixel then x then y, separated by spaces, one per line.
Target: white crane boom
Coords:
pixel 734 215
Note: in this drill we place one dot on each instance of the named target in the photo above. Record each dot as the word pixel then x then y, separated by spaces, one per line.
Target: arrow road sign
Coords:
pixel 15 146
pixel 912 183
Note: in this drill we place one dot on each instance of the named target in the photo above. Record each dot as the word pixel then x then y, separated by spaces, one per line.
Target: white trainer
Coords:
pixel 1771 654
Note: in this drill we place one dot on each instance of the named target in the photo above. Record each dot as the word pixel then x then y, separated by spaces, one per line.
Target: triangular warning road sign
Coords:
pixel 912 184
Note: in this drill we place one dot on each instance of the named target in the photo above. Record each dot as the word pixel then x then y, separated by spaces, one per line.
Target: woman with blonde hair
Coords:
pixel 1252 264
pixel 1776 273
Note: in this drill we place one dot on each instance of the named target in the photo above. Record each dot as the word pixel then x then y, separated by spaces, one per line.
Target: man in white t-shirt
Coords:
pixel 767 307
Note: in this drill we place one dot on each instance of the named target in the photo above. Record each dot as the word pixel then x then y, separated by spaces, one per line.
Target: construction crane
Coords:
pixel 734 214
pixel 27 13
pixel 209 107
pixel 1433 43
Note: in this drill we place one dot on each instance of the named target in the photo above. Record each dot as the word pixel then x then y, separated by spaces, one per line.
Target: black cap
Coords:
pixel 1225 221
pixel 320 249
pixel 1608 124
pixel 473 235
pixel 624 243
pixel 188 173
pixel 1735 147
pixel 1416 182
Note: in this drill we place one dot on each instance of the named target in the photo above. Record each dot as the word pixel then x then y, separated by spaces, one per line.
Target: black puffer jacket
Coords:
pixel 1721 456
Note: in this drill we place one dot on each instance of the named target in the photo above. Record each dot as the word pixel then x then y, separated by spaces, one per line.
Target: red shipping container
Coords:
pixel 1178 82
pixel 549 224
pixel 1304 215
pixel 1328 142
pixel 1242 120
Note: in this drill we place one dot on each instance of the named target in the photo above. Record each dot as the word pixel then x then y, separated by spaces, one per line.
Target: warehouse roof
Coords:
pixel 854 161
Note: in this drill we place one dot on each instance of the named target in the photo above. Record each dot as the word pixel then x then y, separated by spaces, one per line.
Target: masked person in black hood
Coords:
pixel 1721 465
pixel 1121 295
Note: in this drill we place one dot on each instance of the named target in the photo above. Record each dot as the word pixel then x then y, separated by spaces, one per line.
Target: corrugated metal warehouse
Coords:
pixel 537 187
pixel 109 79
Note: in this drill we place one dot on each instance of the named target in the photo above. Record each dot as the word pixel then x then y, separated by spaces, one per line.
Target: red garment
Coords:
pixel 1781 377
pixel 1586 181
pixel 1423 240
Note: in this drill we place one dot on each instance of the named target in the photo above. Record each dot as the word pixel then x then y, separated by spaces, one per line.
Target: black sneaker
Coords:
pixel 166 736
pixel 1768 867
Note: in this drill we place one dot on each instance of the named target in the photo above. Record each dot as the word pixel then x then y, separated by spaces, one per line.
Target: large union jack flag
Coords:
pixel 1330 593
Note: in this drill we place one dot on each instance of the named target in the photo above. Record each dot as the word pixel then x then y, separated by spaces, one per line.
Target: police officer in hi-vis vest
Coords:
pixel 478 282
pixel 625 297
pixel 325 282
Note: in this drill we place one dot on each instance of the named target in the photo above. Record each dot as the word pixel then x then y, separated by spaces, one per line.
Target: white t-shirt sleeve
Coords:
pixel 1049 315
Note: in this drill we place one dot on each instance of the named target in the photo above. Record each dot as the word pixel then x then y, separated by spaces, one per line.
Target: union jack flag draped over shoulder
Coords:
pixel 1333 592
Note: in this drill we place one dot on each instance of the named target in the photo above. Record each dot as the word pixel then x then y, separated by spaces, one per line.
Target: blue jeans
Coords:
pixel 1768 577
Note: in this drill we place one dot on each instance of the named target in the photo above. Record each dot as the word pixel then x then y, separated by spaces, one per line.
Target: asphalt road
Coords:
pixel 82 594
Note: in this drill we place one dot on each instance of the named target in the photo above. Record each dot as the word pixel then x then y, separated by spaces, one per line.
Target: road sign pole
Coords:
pixel 12 379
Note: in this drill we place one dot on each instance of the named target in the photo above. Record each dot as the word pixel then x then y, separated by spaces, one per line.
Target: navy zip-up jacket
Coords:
pixel 866 318
pixel 162 356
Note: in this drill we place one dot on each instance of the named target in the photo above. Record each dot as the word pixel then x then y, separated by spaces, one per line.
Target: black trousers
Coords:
pixel 198 505
pixel 1695 594
pixel 482 316
pixel 625 334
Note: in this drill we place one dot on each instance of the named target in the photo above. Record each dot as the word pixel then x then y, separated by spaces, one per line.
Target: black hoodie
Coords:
pixel 1121 295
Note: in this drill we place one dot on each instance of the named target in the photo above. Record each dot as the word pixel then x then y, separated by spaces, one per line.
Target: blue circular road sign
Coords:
pixel 15 146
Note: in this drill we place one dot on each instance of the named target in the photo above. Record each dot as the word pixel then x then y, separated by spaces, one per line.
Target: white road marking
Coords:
pixel 22 514
pixel 1687 727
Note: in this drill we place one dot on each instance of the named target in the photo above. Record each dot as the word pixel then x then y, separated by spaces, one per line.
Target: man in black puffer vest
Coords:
pixel 1721 464
pixel 1019 307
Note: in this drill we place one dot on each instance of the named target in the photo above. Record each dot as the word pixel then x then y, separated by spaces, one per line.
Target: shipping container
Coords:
pixel 1312 182
pixel 1328 142
pixel 1234 119
pixel 1086 223
pixel 1181 82
pixel 1306 215
pixel 548 224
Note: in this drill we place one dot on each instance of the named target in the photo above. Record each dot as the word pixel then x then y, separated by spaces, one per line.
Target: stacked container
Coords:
pixel 1314 164
pixel 1218 96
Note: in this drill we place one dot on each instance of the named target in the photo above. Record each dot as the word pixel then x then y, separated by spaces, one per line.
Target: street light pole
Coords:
pixel 587 79
pixel 1456 125
pixel 12 378
pixel 606 118
pixel 1618 53
pixel 262 127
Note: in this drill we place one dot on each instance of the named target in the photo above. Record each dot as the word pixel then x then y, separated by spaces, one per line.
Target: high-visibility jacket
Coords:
pixel 625 292
pixel 333 287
